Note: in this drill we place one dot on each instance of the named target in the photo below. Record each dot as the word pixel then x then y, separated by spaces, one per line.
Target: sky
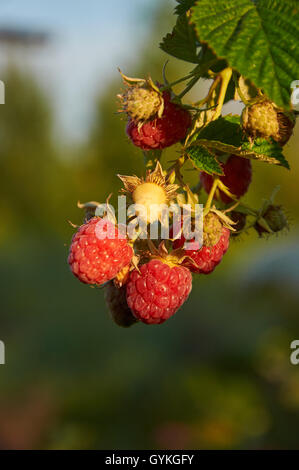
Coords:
pixel 89 39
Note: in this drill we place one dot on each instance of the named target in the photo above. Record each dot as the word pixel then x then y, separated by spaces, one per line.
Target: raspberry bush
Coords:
pixel 249 52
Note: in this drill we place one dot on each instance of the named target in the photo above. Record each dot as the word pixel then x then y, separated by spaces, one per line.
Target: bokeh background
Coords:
pixel 215 376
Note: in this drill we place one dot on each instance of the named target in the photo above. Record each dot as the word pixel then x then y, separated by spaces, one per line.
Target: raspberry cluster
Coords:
pixel 148 282
pixel 153 292
pixel 156 288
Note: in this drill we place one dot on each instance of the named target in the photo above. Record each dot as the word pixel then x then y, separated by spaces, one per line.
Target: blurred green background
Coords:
pixel 215 376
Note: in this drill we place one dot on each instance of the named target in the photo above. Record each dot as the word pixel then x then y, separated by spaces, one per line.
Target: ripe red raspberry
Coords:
pixel 237 177
pixel 215 245
pixel 158 291
pixel 94 260
pixel 117 303
pixel 161 132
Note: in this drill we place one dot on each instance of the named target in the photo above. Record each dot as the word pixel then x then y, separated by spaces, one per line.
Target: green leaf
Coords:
pixel 204 160
pixel 182 42
pixel 226 135
pixel 258 38
pixel 183 6
pixel 225 129
pixel 261 149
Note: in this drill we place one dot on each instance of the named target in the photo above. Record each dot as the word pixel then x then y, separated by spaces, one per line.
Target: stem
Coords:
pixel 209 95
pixel 211 196
pixel 249 209
pixel 189 86
pixel 206 100
pixel 177 165
pixel 169 85
pixel 193 108
pixel 225 76
pixel 226 191
pixel 240 93
pixel 151 157
pixel 180 179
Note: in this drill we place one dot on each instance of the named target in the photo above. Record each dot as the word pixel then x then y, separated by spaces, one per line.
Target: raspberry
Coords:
pixel 118 307
pixel 286 126
pixel 142 103
pixel 212 251
pixel 260 120
pixel 240 222
pixel 150 194
pixel 275 219
pixel 161 132
pixel 263 119
pixel 142 99
pixel 94 260
pixel 237 177
pixel 158 291
pixel 212 229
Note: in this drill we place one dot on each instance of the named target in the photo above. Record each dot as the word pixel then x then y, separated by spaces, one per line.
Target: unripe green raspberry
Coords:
pixel 142 100
pixel 212 229
pixel 275 219
pixel 263 119
pixel 142 103
pixel 260 120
